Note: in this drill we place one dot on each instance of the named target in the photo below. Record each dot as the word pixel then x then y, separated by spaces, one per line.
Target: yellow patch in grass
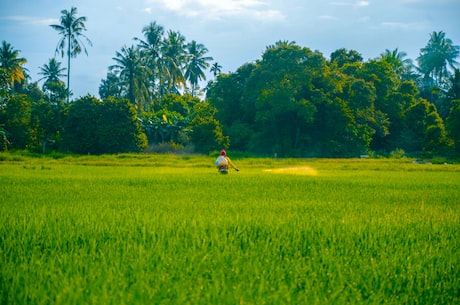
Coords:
pixel 303 170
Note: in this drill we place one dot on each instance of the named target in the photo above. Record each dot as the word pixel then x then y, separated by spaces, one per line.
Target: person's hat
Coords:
pixel 223 152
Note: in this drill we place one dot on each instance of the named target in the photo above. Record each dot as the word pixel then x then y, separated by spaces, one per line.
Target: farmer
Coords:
pixel 223 161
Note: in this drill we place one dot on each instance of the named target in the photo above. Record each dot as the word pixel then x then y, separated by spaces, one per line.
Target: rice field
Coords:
pixel 163 229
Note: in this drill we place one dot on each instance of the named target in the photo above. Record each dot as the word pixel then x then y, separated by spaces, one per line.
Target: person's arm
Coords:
pixel 232 164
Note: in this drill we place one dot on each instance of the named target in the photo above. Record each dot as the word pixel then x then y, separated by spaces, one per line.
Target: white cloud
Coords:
pixel 339 3
pixel 357 3
pixel 212 9
pixel 32 20
pixel 269 15
pixel 404 25
pixel 361 3
pixel 148 10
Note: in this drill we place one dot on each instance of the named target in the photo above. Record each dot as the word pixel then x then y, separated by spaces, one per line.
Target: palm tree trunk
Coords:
pixel 68 69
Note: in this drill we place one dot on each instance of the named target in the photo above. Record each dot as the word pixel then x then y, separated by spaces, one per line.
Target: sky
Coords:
pixel 234 31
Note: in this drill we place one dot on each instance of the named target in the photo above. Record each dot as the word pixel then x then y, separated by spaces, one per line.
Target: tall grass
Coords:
pixel 139 229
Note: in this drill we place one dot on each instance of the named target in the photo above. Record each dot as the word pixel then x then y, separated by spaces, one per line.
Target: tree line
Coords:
pixel 158 77
pixel 295 102
pixel 291 102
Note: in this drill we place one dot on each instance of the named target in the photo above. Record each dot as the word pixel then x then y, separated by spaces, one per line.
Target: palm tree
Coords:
pixel 133 73
pixel 151 48
pixel 153 34
pixel 172 61
pixel 11 65
pixel 71 31
pixel 52 72
pixel 216 69
pixel 281 44
pixel 196 63
pixel 110 86
pixel 436 56
pixel 401 65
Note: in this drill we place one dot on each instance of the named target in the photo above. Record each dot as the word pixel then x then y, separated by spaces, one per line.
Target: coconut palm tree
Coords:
pixel 435 58
pixel 11 66
pixel 216 69
pixel 281 44
pixel 196 63
pixel 401 65
pixel 153 34
pixel 151 48
pixel 172 61
pixel 133 73
pixel 52 72
pixel 71 31
pixel 110 86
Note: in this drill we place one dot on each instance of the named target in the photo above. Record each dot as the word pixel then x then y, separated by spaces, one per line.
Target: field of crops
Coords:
pixel 163 229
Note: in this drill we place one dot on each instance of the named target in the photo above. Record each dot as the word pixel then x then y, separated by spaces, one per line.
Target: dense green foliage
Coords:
pixel 292 102
pixel 110 126
pixel 152 229
pixel 453 124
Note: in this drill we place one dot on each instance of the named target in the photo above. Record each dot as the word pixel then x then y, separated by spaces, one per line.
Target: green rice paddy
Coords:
pixel 163 229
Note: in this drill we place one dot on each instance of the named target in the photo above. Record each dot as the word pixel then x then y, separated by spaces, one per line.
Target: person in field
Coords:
pixel 223 161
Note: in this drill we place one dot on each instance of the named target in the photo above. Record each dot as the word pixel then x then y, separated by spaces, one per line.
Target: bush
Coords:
pixel 398 153
pixel 95 127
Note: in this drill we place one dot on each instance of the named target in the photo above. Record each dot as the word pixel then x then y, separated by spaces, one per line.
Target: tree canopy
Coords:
pixel 294 102
pixel 291 102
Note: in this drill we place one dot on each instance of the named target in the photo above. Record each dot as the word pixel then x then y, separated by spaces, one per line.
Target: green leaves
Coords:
pixel 11 67
pixel 97 127
pixel 296 103
pixel 439 54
